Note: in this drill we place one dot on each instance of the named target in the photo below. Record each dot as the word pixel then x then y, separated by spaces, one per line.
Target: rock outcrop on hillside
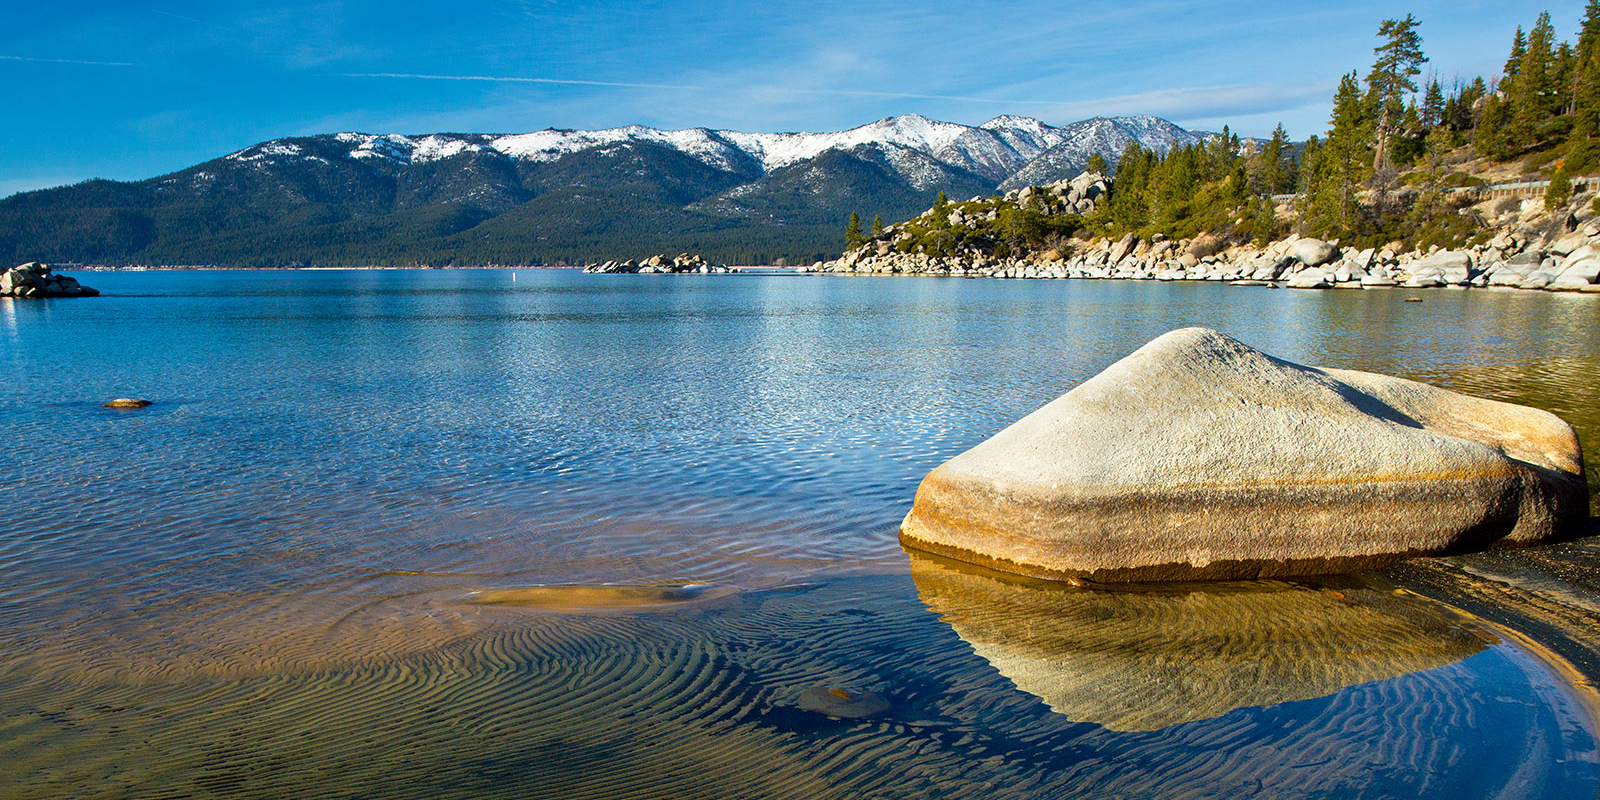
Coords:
pixel 39 280
pixel 1530 249
pixel 1200 458
pixel 660 264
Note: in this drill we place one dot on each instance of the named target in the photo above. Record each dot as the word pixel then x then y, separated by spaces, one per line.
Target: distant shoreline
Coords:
pixel 369 268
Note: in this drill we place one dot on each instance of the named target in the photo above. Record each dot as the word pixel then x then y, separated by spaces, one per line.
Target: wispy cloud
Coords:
pixel 68 61
pixel 691 88
pixel 1194 102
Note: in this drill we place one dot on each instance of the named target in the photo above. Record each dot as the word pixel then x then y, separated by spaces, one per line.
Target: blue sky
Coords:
pixel 132 89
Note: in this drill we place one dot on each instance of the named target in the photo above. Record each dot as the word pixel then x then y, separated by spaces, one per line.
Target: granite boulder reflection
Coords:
pixel 1140 660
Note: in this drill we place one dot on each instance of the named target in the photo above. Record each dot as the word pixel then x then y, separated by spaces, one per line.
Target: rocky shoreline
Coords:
pixel 1531 249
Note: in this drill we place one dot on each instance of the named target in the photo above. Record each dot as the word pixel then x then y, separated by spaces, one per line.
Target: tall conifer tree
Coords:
pixel 1399 60
pixel 1586 75
pixel 1433 104
pixel 1533 91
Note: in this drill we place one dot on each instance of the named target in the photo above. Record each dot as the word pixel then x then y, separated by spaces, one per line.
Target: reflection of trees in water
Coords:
pixel 1144 660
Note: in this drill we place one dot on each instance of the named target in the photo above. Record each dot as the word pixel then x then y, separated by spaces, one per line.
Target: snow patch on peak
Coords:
pixel 268 150
pixel 552 143
pixel 390 146
pixel 1007 121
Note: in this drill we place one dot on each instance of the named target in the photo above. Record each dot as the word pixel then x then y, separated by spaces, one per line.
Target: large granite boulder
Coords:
pixel 1199 458
pixel 1314 252
pixel 1308 279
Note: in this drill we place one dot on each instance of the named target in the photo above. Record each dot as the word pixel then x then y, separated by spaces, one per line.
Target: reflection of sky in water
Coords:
pixel 327 445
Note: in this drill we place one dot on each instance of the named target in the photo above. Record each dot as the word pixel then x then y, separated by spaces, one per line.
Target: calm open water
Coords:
pixel 446 534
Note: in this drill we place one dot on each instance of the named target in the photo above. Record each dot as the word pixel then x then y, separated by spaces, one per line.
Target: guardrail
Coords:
pixel 1529 189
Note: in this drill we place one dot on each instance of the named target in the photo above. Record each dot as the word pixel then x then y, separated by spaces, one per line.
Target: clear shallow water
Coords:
pixel 259 586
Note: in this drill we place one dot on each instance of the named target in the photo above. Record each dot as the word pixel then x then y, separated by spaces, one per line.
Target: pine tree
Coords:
pixel 1272 165
pixel 1433 104
pixel 1399 60
pixel 1562 68
pixel 1490 136
pixel 1310 155
pixel 877 224
pixel 1097 164
pixel 940 202
pixel 852 232
pixel 1264 223
pixel 1341 166
pixel 1532 92
pixel 1586 75
pixel 1408 144
pixel 1559 191
pixel 1519 48
pixel 1221 153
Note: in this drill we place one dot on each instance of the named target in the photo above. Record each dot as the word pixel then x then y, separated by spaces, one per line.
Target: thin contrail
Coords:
pixel 679 87
pixel 192 19
pixel 68 61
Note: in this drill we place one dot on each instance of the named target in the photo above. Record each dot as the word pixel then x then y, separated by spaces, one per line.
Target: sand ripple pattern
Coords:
pixel 427 696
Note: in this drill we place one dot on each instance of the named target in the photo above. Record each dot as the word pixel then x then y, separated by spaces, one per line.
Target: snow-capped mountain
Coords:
pixel 1109 137
pixel 553 195
pixel 997 149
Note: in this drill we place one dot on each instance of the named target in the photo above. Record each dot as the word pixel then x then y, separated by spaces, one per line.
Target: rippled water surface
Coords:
pixel 450 534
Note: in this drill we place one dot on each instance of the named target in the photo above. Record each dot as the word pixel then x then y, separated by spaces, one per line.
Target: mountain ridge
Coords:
pixel 360 198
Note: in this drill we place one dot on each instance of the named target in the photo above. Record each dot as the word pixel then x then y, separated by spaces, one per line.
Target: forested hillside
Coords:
pixel 547 197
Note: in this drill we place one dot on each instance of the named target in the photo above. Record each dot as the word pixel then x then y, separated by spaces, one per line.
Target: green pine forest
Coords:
pixel 1396 144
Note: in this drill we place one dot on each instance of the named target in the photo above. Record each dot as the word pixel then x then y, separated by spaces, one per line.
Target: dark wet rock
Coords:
pixel 1200 458
pixel 660 265
pixel 34 279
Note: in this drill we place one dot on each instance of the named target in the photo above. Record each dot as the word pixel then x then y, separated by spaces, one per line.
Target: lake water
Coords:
pixel 450 534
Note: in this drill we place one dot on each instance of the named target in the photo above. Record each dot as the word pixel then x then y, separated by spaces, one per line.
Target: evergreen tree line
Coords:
pixel 1383 170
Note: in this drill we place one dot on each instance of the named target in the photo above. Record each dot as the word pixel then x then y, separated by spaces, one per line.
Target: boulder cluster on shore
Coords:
pixel 661 265
pixel 37 280
pixel 1528 251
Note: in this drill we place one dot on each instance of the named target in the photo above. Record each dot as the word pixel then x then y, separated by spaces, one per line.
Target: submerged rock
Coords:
pixel 1144 660
pixel 578 597
pixel 1200 458
pixel 127 402
pixel 843 703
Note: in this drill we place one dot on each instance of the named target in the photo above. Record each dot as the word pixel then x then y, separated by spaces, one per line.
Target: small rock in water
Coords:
pixel 127 402
pixel 577 597
pixel 843 703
